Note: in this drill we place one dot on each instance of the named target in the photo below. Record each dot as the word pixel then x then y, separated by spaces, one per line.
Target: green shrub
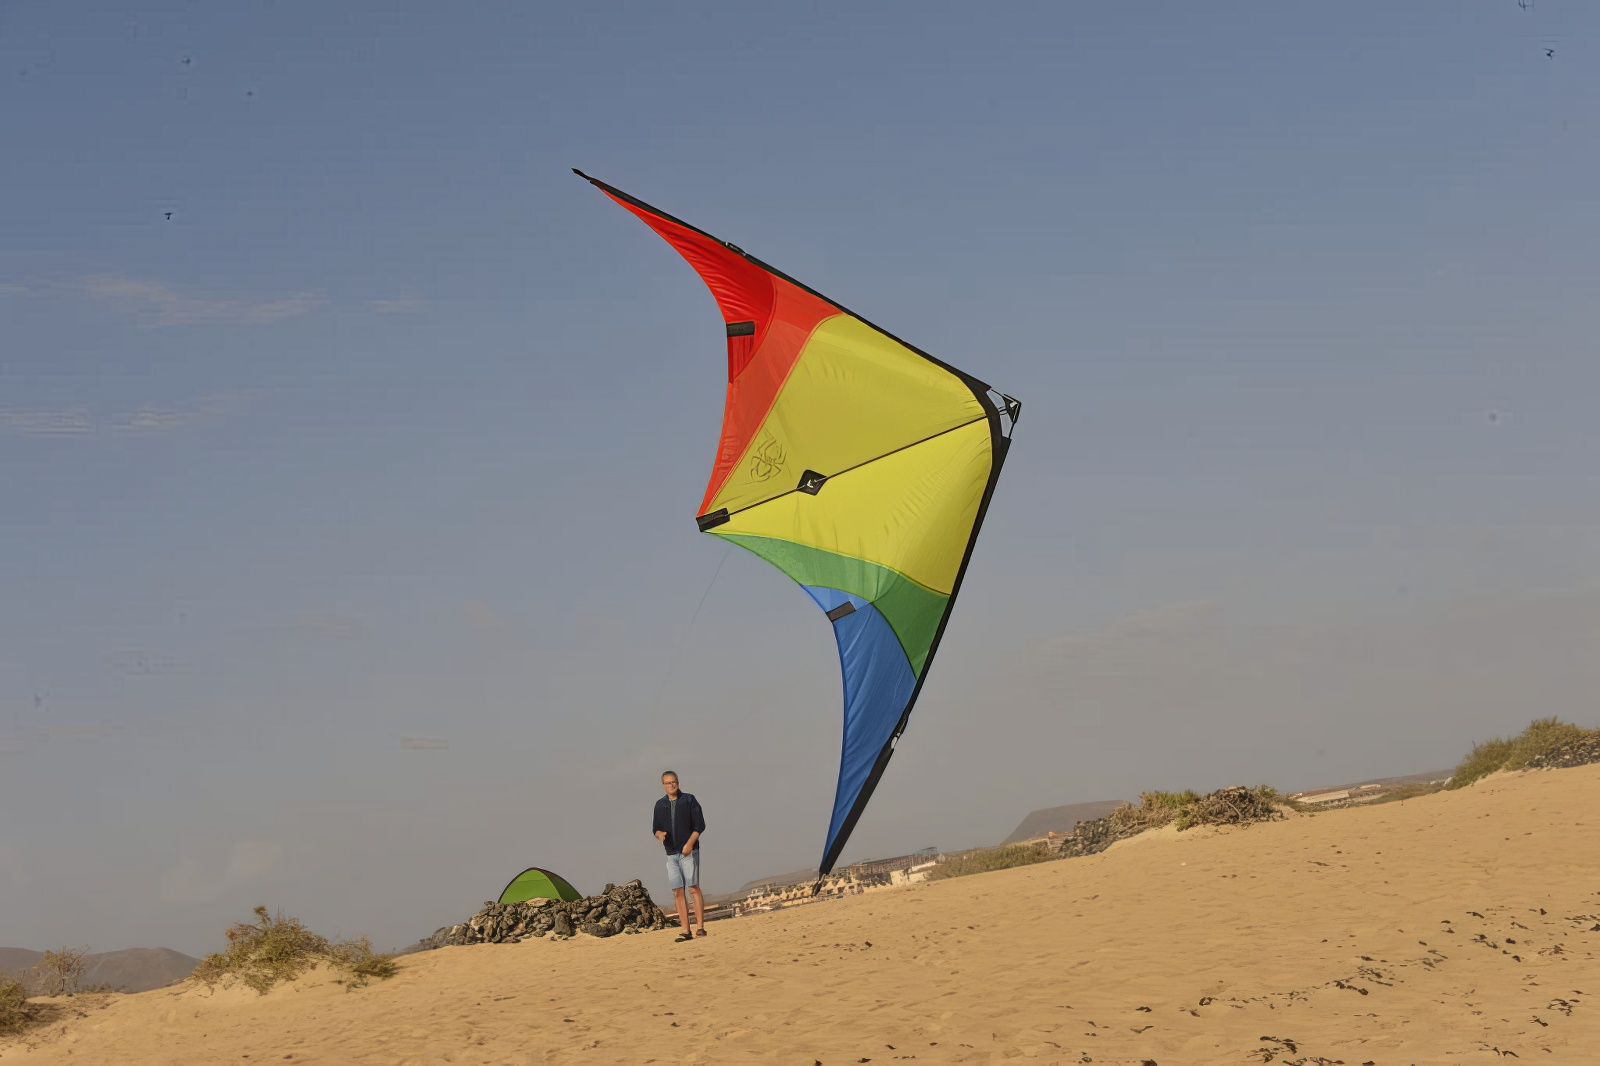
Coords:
pixel 1485 758
pixel 1542 737
pixel 275 948
pixel 1168 801
pixel 985 859
pixel 1543 743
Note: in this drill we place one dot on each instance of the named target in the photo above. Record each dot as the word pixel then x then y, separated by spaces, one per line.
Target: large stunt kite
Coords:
pixel 856 464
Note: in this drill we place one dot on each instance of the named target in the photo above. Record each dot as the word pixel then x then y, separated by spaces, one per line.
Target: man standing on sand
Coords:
pixel 678 824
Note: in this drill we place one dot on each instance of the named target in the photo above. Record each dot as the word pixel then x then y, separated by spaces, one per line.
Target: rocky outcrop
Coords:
pixel 618 909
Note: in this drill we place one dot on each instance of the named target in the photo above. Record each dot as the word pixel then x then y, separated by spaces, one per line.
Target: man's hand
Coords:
pixel 661 835
pixel 687 848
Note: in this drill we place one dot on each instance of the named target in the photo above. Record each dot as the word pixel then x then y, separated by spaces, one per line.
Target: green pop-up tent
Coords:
pixel 534 883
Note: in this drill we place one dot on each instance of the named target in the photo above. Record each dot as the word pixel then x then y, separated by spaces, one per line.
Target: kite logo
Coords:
pixel 766 459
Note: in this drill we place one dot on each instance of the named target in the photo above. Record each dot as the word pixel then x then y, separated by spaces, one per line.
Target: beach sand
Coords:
pixel 1456 928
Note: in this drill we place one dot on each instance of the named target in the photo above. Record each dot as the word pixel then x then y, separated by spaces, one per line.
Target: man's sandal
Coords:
pixel 681 937
pixel 701 931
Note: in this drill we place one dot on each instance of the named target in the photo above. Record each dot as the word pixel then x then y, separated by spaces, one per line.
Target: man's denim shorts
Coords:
pixel 683 870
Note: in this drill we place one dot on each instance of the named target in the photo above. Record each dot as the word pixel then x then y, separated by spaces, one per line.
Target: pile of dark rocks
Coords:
pixel 618 909
pixel 1093 837
pixel 1579 751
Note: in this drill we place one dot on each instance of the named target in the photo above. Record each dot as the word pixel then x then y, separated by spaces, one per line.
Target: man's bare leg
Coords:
pixel 683 908
pixel 699 909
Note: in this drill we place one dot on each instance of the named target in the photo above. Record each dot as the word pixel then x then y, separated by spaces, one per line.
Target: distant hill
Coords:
pixel 15 960
pixel 128 970
pixel 798 877
pixel 1060 819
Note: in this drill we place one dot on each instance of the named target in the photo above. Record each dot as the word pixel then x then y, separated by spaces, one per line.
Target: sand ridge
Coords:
pixel 1456 928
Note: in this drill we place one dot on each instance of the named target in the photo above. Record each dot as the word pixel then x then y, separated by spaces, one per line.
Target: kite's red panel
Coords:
pixel 760 356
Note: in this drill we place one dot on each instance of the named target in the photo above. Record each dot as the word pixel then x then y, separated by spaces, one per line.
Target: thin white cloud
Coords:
pixel 404 305
pixel 81 421
pixel 155 303
pixel 209 409
pixel 59 422
pixel 9 289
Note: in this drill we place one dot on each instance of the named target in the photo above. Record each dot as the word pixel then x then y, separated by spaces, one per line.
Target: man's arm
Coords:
pixel 655 823
pixel 697 825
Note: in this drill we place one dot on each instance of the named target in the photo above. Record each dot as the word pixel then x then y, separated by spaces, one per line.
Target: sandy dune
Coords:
pixel 1456 928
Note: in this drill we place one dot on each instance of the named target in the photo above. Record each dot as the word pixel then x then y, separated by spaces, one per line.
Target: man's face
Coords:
pixel 669 782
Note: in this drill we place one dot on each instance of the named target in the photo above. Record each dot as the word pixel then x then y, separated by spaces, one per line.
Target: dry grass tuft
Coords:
pixel 275 948
pixel 363 964
pixel 1167 801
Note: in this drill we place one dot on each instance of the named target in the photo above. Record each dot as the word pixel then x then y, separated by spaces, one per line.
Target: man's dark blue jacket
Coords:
pixel 689 820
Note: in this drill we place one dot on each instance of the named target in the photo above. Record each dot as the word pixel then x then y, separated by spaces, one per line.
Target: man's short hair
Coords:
pixel 669 773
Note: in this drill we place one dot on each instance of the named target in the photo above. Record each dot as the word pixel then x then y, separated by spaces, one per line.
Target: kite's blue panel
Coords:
pixel 878 684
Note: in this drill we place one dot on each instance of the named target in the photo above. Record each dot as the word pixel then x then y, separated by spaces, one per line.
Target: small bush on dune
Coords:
pixel 1485 758
pixel 14 1013
pixel 362 962
pixel 1547 742
pixel 275 948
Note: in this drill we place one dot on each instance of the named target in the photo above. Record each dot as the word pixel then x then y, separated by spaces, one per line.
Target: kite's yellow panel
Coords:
pixel 899 512
pixel 853 395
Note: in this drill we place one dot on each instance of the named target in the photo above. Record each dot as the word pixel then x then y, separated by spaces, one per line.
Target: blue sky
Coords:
pixel 395 428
